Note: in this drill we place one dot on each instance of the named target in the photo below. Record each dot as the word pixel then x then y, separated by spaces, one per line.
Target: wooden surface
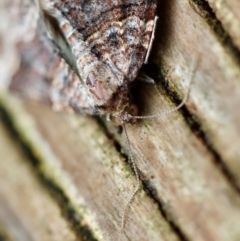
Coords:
pixel 22 199
pixel 189 161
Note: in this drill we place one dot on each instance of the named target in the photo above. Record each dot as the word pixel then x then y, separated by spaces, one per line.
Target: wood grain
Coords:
pixel 215 94
pixel 228 13
pixel 24 204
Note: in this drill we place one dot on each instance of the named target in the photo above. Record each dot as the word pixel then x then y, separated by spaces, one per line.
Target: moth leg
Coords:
pixel 145 78
pixel 151 40
pixel 108 117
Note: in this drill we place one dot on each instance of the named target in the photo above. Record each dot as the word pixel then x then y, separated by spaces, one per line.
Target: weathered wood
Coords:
pixel 189 160
pixel 27 212
pixel 90 172
pixel 215 94
pixel 228 13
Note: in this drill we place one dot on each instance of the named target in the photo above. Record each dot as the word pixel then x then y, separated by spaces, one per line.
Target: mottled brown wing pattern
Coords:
pixel 45 76
pixel 109 41
pixel 67 92
pixel 119 30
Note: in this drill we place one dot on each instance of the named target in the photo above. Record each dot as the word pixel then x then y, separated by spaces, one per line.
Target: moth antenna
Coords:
pixel 135 169
pixel 164 113
pixel 133 161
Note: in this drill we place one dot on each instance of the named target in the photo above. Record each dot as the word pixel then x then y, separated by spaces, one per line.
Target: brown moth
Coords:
pixel 109 42
pixel 89 52
pixel 85 56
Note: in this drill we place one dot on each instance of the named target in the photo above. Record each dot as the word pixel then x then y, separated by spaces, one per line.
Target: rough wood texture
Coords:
pixel 228 13
pixel 24 204
pixel 189 161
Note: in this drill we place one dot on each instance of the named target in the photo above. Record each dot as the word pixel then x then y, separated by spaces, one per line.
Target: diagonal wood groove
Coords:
pixel 57 193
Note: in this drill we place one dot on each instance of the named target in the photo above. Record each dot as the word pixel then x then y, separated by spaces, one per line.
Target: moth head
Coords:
pixel 126 116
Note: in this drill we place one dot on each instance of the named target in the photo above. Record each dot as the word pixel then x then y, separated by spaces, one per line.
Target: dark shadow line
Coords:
pixel 202 8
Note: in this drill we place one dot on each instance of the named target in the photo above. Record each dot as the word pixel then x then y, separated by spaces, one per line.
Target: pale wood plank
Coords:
pixel 182 36
pixel 76 156
pixel 228 13
pixel 27 212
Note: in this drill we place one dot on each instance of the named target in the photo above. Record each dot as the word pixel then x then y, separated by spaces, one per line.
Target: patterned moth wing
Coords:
pixel 109 41
pixel 46 77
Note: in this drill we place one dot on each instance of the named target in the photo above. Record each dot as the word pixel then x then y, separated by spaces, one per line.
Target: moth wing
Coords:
pixel 46 77
pixel 117 33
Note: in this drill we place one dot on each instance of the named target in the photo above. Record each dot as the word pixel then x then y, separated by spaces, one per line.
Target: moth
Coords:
pixel 87 54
